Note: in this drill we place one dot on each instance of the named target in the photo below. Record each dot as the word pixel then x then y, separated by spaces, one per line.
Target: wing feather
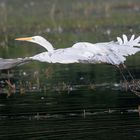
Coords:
pixel 125 39
pixel 119 40
pixel 132 38
pixel 108 52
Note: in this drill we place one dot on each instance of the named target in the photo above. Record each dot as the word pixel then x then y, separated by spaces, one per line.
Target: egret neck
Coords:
pixel 38 40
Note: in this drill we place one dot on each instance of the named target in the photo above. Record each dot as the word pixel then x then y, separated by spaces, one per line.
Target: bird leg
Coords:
pixel 132 85
pixel 125 67
pixel 125 83
pixel 121 71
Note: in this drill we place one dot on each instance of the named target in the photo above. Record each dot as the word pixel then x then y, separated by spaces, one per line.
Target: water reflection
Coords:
pixel 67 99
pixel 21 81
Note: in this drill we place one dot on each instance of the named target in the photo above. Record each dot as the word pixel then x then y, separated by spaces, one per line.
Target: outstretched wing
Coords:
pixel 10 63
pixel 108 52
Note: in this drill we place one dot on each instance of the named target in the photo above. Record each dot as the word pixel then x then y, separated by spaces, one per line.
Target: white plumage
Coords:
pixel 114 53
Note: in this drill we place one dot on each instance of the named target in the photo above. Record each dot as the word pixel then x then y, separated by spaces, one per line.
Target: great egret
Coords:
pixel 114 53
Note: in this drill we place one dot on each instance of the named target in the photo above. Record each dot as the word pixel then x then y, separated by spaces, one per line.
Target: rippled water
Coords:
pixel 82 107
pixel 76 101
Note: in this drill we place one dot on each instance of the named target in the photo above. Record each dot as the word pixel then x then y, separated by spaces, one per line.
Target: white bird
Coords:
pixel 114 52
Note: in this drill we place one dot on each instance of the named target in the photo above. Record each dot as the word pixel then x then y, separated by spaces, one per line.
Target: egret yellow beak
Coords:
pixel 24 39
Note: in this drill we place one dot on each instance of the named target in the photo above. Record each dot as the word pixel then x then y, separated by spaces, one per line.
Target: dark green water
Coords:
pixel 76 101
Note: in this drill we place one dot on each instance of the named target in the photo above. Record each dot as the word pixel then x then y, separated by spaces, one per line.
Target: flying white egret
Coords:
pixel 114 53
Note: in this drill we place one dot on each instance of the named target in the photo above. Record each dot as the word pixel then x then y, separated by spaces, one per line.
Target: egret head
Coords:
pixel 38 40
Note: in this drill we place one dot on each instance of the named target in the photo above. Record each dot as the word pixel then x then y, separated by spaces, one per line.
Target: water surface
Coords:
pixel 76 101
